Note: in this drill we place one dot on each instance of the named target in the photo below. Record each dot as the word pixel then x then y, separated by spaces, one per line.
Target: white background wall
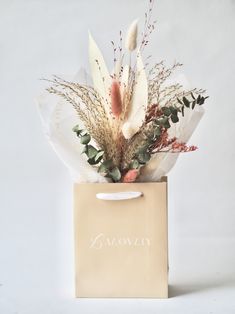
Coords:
pixel 39 38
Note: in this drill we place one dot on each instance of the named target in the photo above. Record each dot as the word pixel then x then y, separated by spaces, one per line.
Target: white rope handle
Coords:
pixel 118 196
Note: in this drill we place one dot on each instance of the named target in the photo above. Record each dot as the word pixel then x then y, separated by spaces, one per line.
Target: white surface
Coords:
pixel 40 38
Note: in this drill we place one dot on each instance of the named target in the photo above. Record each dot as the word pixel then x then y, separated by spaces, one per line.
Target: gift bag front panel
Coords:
pixel 121 246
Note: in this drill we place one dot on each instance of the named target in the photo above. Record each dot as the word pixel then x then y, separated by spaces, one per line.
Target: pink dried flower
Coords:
pixel 130 176
pixel 116 100
pixel 182 147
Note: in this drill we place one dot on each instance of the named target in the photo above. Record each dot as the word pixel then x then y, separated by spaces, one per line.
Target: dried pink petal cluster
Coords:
pixel 182 147
pixel 116 100
pixel 130 176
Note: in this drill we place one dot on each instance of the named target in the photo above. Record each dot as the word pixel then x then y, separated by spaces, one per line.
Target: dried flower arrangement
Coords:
pixel 125 117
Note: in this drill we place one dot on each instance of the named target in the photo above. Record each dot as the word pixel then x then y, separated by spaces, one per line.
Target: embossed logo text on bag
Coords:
pixel 102 241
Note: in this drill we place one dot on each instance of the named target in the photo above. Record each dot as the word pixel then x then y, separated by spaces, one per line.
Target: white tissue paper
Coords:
pixel 58 119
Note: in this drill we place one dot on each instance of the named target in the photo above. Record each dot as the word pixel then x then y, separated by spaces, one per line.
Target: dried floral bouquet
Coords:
pixel 125 118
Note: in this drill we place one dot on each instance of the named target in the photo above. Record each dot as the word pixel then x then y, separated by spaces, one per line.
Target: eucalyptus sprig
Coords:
pixel 191 103
pixel 96 156
pixel 161 124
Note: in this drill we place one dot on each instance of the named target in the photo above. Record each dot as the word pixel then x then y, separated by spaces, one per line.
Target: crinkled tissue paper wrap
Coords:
pixel 58 119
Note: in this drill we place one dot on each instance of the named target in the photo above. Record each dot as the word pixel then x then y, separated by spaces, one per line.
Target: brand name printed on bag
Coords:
pixel 100 241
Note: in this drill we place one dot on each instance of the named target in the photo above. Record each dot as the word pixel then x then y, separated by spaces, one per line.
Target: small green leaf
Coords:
pixel 157 131
pixel 85 139
pixel 115 174
pixel 174 118
pixel 99 155
pixel 167 124
pixel 84 151
pixel 77 130
pixel 92 161
pixel 201 102
pixel 144 157
pixel 143 148
pixel 179 101
pixel 162 121
pixel 91 151
pixel 186 102
pixel 104 167
pixel 173 110
pixel 198 99
pixel 182 110
pixel 166 111
pixel 193 96
pixel 134 164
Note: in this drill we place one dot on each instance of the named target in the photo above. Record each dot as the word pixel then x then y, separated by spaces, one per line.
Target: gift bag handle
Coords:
pixel 118 196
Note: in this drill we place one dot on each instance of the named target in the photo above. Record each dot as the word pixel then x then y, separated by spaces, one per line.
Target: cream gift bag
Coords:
pixel 121 244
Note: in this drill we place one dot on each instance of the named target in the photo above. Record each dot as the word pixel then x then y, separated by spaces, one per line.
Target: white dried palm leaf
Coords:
pixel 137 110
pixel 82 77
pixel 99 73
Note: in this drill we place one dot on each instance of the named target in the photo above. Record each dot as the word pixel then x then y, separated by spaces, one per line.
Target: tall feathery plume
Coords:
pixel 116 100
pixel 131 36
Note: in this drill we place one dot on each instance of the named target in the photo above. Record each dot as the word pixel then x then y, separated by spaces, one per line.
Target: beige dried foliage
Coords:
pixel 89 106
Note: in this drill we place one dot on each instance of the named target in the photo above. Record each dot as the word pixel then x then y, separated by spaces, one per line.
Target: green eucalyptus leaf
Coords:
pixel 84 151
pixel 173 110
pixel 194 104
pixel 144 157
pixel 134 164
pixel 91 151
pixel 157 131
pixel 166 111
pixel 182 110
pixel 115 174
pixel 92 161
pixel 105 166
pixel 77 130
pixel 85 139
pixel 174 118
pixel 162 121
pixel 102 169
pixel 167 124
pixel 193 96
pixel 179 101
pixel 143 148
pixel 201 102
pixel 198 99
pixel 99 155
pixel 186 102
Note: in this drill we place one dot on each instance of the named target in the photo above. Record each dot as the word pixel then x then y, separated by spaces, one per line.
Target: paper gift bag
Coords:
pixel 121 245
